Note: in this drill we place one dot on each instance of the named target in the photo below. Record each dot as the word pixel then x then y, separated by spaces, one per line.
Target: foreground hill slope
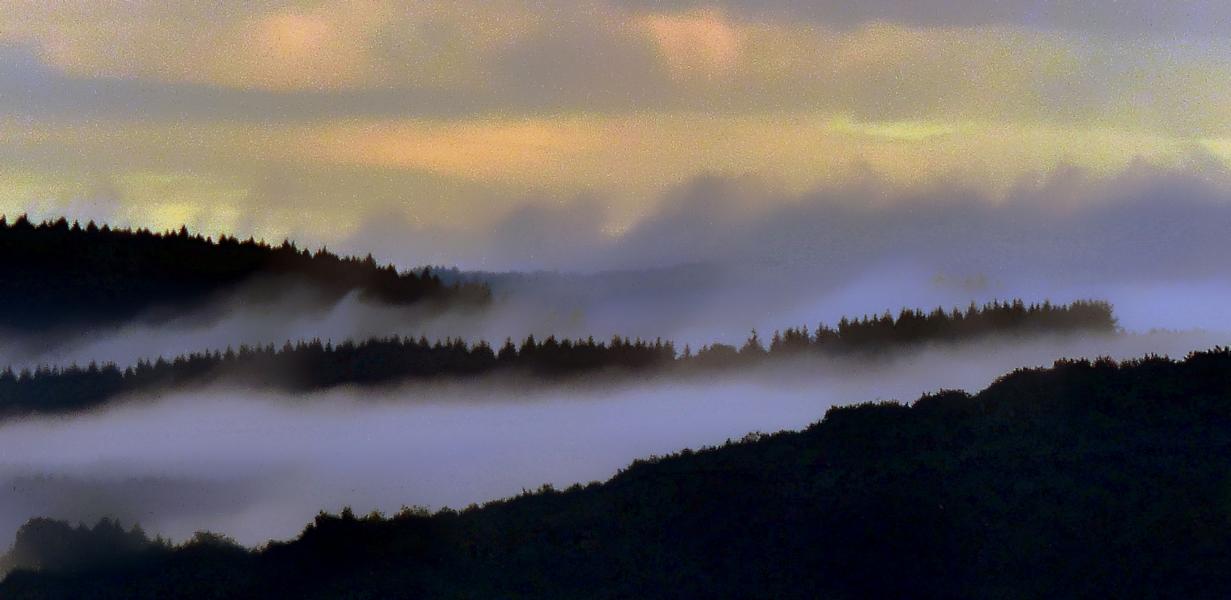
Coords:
pixel 58 275
pixel 1088 479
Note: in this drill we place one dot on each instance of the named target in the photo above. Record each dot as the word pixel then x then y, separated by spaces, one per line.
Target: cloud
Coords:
pixel 292 119
pixel 1144 221
pixel 283 46
pixel 699 42
pixel 1070 220
pixel 318 181
pixel 1137 17
pixel 429 58
pixel 722 256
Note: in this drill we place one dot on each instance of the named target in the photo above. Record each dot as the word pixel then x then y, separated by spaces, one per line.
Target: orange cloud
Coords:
pixel 698 42
pixel 294 50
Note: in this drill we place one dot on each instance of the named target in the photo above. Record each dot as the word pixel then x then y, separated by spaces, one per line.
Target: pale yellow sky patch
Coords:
pixel 519 150
pixel 1220 147
pixel 38 193
pixel 642 155
pixel 166 200
pixel 475 110
pixel 892 130
pixel 465 176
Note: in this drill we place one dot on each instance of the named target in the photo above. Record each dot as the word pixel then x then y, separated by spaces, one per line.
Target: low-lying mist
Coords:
pixel 258 466
pixel 694 305
pixel 721 257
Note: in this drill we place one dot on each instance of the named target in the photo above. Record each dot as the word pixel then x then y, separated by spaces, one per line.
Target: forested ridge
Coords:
pixel 1086 479
pixel 314 365
pixel 58 274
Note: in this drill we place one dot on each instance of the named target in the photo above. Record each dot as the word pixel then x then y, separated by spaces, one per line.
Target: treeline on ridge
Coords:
pixel 58 274
pixel 913 326
pixel 318 365
pixel 1087 479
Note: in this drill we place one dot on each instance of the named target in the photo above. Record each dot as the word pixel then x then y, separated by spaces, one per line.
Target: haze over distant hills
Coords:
pixel 952 487
pixel 308 366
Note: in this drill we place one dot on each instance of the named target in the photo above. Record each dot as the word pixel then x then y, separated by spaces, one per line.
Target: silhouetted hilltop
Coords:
pixel 317 365
pixel 57 274
pixel 875 334
pixel 1087 479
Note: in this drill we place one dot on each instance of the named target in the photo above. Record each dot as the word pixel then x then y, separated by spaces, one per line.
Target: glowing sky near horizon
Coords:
pixel 312 119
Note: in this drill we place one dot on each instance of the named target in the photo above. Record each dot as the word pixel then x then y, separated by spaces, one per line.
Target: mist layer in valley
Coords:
pixel 725 256
pixel 258 466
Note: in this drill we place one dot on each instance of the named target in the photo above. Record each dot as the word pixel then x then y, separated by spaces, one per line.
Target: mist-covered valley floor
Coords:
pixel 257 465
pixel 289 385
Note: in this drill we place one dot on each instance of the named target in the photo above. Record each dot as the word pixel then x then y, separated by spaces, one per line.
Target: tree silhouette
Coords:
pixel 58 275
pixel 317 364
pixel 1091 478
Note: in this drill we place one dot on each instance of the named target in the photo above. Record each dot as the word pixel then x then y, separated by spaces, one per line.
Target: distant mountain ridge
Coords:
pixel 316 365
pixel 59 275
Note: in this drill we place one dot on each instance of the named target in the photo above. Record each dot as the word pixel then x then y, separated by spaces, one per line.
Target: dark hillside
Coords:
pixel 316 365
pixel 56 275
pixel 1089 479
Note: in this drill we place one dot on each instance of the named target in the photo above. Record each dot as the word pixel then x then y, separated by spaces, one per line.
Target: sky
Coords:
pixel 446 121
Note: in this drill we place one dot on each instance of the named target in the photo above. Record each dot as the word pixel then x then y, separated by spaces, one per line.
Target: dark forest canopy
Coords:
pixel 912 326
pixel 56 274
pixel 1087 479
pixel 319 365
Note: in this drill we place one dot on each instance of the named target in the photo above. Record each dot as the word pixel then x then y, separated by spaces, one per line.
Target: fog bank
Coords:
pixel 724 256
pixel 258 466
